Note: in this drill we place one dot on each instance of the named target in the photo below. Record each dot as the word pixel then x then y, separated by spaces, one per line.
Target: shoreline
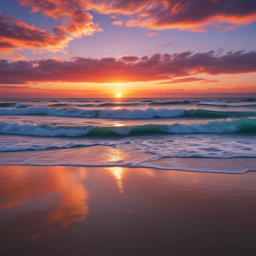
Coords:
pixel 132 167
pixel 101 156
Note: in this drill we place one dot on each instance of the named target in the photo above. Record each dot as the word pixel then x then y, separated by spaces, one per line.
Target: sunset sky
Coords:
pixel 139 48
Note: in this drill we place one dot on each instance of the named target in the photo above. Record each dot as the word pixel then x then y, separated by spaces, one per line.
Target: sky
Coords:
pixel 139 48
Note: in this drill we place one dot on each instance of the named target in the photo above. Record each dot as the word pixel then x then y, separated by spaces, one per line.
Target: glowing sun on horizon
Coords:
pixel 118 95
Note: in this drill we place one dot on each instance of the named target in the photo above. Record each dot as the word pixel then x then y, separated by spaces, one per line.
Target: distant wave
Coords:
pixel 235 106
pixel 146 101
pixel 13 105
pixel 250 100
pixel 242 126
pixel 59 105
pixel 106 113
pixel 184 102
pixel 124 113
pixel 215 102
pixel 119 104
pixel 7 105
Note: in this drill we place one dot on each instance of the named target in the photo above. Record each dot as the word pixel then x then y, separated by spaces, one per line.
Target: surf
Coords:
pixel 239 126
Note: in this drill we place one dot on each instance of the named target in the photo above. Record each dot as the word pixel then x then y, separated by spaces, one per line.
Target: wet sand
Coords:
pixel 60 210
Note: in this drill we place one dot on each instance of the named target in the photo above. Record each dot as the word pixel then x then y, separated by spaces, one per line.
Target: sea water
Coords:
pixel 127 132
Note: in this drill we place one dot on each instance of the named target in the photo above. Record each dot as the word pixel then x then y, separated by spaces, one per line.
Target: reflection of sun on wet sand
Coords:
pixel 117 172
pixel 73 208
pixel 19 188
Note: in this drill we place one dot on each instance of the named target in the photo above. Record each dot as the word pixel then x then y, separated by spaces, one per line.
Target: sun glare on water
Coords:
pixel 118 95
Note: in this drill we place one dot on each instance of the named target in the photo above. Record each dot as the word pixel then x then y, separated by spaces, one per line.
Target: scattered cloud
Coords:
pixel 158 47
pixel 76 21
pixel 189 80
pixel 16 34
pixel 37 51
pixel 183 80
pixel 129 58
pixel 118 23
pixel 17 56
pixel 66 52
pixel 150 34
pixel 165 45
pixel 192 15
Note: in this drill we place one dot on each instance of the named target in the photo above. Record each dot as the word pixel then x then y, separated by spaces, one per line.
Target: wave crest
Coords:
pixel 225 126
pixel 123 113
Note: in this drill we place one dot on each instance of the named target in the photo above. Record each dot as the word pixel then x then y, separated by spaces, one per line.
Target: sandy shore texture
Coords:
pixel 116 211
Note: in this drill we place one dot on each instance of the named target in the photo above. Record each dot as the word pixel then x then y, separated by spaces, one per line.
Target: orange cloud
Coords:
pixel 183 80
pixel 151 34
pixel 119 6
pixel 78 22
pixel 17 56
pixel 189 80
pixel 118 23
pixel 16 34
pixel 190 15
pixel 37 51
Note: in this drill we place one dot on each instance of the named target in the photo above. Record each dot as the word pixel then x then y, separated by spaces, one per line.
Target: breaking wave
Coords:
pixel 241 126
pixel 124 113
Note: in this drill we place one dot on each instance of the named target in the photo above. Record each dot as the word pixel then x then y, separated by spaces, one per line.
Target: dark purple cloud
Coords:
pixel 111 70
pixel 190 15
pixel 129 58
pixel 195 14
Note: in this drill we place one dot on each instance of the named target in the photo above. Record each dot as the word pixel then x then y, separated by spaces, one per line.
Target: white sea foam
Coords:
pixel 133 151
pixel 214 102
pixel 42 130
pixel 106 113
pixel 21 105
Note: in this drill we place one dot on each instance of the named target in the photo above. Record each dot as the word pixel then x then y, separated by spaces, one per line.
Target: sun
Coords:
pixel 118 95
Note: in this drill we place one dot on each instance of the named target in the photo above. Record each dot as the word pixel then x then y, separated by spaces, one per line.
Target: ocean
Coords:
pixel 160 133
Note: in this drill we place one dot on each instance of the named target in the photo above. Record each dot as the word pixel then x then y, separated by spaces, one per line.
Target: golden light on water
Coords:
pixel 118 95
pixel 117 171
